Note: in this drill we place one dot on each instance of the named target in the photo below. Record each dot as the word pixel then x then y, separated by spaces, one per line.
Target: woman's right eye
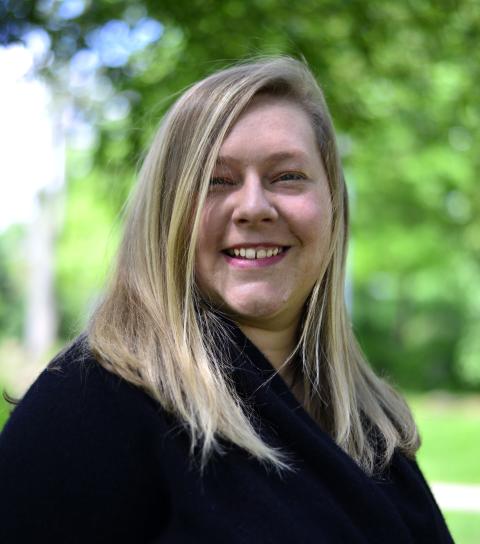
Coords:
pixel 216 181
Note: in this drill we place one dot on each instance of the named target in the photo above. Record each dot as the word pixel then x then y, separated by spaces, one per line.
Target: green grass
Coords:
pixel 464 527
pixel 4 410
pixel 450 431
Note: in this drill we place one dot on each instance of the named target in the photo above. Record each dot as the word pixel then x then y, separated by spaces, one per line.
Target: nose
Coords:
pixel 253 203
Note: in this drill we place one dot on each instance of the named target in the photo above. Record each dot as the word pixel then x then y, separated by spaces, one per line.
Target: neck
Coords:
pixel 276 343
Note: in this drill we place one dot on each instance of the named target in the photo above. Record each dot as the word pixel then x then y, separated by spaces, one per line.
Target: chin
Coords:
pixel 254 308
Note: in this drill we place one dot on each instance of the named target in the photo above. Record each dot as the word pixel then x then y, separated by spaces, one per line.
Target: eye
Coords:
pixel 291 176
pixel 219 181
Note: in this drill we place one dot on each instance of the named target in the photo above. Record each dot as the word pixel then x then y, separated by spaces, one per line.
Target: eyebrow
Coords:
pixel 279 156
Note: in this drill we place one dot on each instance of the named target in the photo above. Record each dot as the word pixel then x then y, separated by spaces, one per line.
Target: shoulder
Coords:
pixel 84 443
pixel 77 402
pixel 75 388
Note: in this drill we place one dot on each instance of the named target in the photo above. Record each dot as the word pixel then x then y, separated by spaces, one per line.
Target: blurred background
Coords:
pixel 83 85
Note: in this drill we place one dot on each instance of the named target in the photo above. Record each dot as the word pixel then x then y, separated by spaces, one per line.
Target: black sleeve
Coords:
pixel 77 461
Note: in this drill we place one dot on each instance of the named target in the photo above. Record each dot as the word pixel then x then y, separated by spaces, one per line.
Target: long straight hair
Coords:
pixel 153 328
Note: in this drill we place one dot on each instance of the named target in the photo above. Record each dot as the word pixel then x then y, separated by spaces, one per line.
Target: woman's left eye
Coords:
pixel 290 176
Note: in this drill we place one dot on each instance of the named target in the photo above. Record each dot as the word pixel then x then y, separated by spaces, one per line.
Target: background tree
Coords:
pixel 401 79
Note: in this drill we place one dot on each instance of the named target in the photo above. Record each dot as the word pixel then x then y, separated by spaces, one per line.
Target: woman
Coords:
pixel 219 393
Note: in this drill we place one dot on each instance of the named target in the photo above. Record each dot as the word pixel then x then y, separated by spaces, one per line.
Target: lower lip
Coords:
pixel 255 263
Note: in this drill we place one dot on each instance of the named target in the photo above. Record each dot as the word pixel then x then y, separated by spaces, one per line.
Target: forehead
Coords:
pixel 275 127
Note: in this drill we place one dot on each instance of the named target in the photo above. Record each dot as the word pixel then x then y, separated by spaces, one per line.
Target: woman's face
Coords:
pixel 265 228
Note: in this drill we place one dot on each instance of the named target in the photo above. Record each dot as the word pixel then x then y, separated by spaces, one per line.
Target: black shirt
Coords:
pixel 86 457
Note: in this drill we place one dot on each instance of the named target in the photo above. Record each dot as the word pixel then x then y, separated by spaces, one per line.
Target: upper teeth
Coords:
pixel 257 253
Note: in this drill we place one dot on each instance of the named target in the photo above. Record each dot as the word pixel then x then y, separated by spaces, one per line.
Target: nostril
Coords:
pixel 253 218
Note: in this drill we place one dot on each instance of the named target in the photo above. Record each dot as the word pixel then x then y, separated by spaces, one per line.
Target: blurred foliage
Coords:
pixel 401 79
pixel 85 248
pixel 11 282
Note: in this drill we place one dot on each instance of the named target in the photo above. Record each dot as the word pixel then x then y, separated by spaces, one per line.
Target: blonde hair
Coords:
pixel 153 329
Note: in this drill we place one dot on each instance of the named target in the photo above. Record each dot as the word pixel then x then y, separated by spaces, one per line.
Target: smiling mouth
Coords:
pixel 259 252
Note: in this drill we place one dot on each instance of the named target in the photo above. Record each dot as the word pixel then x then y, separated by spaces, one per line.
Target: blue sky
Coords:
pixel 28 159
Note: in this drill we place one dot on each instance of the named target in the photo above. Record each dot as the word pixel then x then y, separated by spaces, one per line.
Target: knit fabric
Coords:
pixel 87 457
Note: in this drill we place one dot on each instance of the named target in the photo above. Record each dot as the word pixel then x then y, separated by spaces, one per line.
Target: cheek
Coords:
pixel 210 236
pixel 201 260
pixel 314 222
pixel 211 230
